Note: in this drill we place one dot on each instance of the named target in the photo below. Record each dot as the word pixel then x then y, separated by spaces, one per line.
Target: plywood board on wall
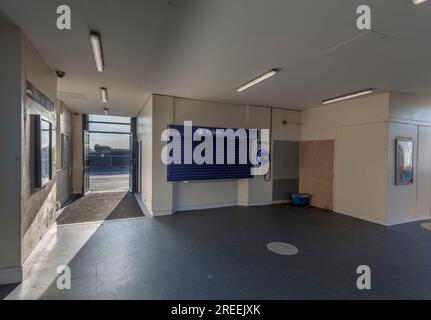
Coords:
pixel 316 172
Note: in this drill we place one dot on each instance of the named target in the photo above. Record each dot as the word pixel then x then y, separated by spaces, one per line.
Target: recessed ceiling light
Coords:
pixel 418 1
pixel 104 95
pixel 96 46
pixel 348 96
pixel 260 78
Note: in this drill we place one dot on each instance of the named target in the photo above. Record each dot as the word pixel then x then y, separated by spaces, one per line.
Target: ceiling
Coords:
pixel 205 49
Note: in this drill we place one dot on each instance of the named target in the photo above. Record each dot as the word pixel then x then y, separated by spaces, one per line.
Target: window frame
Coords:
pixel 89 122
pixel 65 154
pixel 41 182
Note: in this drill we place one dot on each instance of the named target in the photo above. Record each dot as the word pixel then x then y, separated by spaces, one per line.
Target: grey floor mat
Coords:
pixel 101 206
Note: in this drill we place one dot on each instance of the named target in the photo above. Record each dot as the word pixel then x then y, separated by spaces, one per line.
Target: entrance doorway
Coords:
pixel 109 153
pixel 109 172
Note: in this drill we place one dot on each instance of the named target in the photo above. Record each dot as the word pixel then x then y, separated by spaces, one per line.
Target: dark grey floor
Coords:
pixel 101 206
pixel 222 254
pixel 5 290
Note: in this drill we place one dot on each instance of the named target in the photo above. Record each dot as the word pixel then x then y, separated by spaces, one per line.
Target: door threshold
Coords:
pixel 100 222
pixel 110 191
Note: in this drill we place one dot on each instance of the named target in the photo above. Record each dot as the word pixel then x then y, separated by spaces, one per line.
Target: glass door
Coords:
pixel 86 177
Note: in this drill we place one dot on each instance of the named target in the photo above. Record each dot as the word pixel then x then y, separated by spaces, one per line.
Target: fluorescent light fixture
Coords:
pixel 418 1
pixel 104 94
pixel 348 96
pixel 255 81
pixel 96 46
pixel 105 111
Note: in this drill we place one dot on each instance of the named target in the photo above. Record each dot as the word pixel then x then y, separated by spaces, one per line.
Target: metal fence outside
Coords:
pixel 109 161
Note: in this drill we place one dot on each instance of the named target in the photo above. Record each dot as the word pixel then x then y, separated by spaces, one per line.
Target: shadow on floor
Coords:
pixel 5 290
pixel 221 254
pixel 100 207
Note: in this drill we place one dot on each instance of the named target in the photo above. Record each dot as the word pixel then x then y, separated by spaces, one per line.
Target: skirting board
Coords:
pixel 10 275
pixel 263 203
pixel 231 204
pixel 394 223
pixel 162 213
pixel 382 223
pixel 206 206
pixel 148 213
pixel 281 202
pixel 15 275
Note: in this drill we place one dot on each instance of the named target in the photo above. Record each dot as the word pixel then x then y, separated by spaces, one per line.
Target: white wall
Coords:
pixel 163 114
pixel 167 197
pixel 360 162
pixel 144 127
pixel 321 123
pixel 364 130
pixel 410 109
pixel 222 193
pixel 410 118
pixel 401 198
pixel 360 130
pixel 291 131
pixel 423 175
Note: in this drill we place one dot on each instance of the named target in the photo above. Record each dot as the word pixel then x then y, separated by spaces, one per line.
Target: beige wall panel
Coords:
pixel 360 170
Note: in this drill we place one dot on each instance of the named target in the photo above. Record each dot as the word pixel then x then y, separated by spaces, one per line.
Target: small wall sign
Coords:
pixel 404 171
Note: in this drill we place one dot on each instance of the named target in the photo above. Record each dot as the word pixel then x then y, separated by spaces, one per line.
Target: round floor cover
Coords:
pixel 282 248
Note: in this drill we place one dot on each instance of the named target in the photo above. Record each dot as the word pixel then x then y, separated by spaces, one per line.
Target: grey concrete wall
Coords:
pixel 77 156
pixel 285 169
pixel 38 205
pixel 10 133
pixel 64 175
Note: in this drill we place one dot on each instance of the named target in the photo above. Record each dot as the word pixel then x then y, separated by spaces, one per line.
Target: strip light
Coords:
pixel 348 96
pixel 418 1
pixel 104 95
pixel 96 46
pixel 255 81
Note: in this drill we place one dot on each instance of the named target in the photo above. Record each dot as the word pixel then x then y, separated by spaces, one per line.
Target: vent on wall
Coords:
pixel 36 95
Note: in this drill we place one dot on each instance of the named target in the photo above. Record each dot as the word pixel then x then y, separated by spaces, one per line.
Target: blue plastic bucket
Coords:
pixel 300 199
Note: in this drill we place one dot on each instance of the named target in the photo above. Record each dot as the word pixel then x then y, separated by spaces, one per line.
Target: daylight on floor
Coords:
pixel 215 150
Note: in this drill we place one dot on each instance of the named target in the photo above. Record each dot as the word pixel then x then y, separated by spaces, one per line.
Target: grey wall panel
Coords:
pixel 285 160
pixel 283 188
pixel 285 169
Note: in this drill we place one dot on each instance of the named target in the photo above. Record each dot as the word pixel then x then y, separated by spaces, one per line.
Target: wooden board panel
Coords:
pixel 316 172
